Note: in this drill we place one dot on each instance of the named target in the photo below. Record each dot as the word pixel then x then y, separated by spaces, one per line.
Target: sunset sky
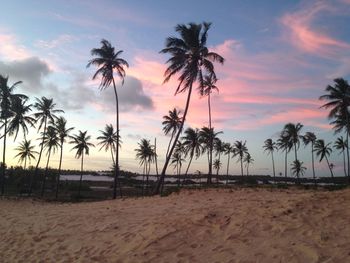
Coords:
pixel 279 57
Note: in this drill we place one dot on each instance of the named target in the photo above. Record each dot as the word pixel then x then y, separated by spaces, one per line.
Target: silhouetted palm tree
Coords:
pixel 82 146
pixel 323 151
pixel 284 144
pixel 25 152
pixel 310 137
pixel 51 143
pixel 191 59
pixel 7 99
pixel 108 61
pixel 108 140
pixel 62 132
pixel 45 114
pixel 217 165
pixel 240 149
pixel 341 145
pixel 171 123
pixel 298 168
pixel 177 161
pixel 192 145
pixel 270 147
pixel 248 161
pixel 228 149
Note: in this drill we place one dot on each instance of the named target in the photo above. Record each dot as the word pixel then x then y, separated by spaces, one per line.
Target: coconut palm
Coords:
pixel 191 59
pixel 310 138
pixel 82 146
pixel 46 113
pixel 269 147
pixel 219 148
pixel 192 145
pixel 298 168
pixel 284 144
pixel 51 143
pixel 25 152
pixel 108 61
pixel 108 140
pixel 171 123
pixel 7 99
pixel 177 161
pixel 323 150
pixel 341 145
pixel 338 97
pixel 248 160
pixel 228 149
pixel 62 131
pixel 217 165
pixel 240 149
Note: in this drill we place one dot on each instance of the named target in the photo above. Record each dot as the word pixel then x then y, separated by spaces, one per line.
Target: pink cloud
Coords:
pixel 10 49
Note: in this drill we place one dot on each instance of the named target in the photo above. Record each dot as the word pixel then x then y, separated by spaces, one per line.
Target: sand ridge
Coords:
pixel 237 225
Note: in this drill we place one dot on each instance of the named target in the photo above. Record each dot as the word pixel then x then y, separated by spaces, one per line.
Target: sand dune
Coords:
pixel 240 225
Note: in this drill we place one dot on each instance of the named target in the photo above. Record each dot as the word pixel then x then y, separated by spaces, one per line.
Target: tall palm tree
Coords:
pixel 46 113
pixel 341 145
pixel 192 145
pixel 292 132
pixel 108 61
pixel 25 152
pixel 323 150
pixel 171 123
pixel 298 168
pixel 219 148
pixel 51 143
pixel 240 149
pixel 228 149
pixel 284 144
pixel 7 99
pixel 62 131
pixel 338 97
pixel 191 59
pixel 269 147
pixel 308 138
pixel 248 161
pixel 82 146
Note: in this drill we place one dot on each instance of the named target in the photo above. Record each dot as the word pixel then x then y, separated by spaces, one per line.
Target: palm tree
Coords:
pixel 25 152
pixel 82 146
pixel 217 165
pixel 323 151
pixel 171 123
pixel 62 132
pixel 108 140
pixel 284 144
pixel 51 142
pixel 207 138
pixel 192 145
pixel 190 58
pixel 298 168
pixel 338 97
pixel 228 149
pixel 108 61
pixel 240 149
pixel 45 114
pixel 248 160
pixel 310 137
pixel 270 147
pixel 341 145
pixel 7 98
pixel 177 161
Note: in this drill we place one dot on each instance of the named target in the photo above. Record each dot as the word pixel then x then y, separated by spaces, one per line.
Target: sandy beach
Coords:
pixel 237 225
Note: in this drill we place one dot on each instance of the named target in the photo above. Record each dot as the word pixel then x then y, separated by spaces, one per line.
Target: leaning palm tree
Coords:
pixel 248 161
pixel 298 168
pixel 62 132
pixel 191 59
pixel 25 152
pixel 192 145
pixel 338 101
pixel 323 150
pixel 46 113
pixel 341 145
pixel 270 147
pixel 310 137
pixel 171 123
pixel 82 146
pixel 240 149
pixel 284 144
pixel 7 99
pixel 108 61
pixel 51 143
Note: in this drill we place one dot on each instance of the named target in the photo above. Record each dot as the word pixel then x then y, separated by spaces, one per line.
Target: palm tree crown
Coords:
pixel 25 152
pixel 82 144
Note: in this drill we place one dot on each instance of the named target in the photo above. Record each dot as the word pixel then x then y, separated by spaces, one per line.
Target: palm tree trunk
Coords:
pixel 147 177
pixel 285 164
pixel 188 167
pixel 45 174
pixel 117 147
pixel 81 173
pixel 59 171
pixel 162 175
pixel 296 158
pixel 156 159
pixel 273 167
pixel 143 178
pixel 242 166
pixel 171 139
pixel 313 162
pixel 25 164
pixel 347 144
pixel 344 163
pixel 330 168
pixel 4 160
pixel 210 145
pixel 228 166
pixel 33 180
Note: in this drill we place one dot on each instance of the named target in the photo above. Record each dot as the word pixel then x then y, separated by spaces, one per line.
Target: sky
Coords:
pixel 279 58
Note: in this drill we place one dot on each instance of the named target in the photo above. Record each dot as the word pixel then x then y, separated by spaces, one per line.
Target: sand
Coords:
pixel 240 225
